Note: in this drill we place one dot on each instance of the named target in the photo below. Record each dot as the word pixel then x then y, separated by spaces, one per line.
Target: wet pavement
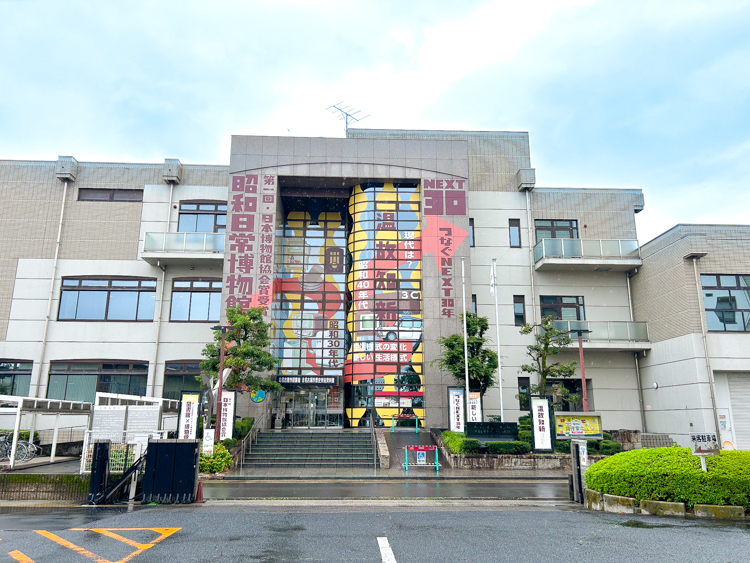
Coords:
pixel 61 466
pixel 339 489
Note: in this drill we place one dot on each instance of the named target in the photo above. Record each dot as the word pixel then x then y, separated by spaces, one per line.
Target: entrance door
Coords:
pixel 301 410
pixel 318 408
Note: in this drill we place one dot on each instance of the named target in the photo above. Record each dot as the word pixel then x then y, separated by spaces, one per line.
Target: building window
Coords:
pixel 181 376
pixel 474 304
pixel 80 381
pixel 546 228
pixel 89 194
pixel 523 393
pixel 519 310
pixel 107 299
pixel 196 300
pixel 15 377
pixel 514 225
pixel 202 217
pixel 726 299
pixel 471 232
pixel 562 308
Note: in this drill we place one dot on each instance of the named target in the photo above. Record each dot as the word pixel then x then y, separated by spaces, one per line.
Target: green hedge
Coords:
pixel 242 427
pixel 508 447
pixel 471 446
pixel 219 461
pixel 608 447
pixel 524 436
pixel 458 443
pixel 562 446
pixel 674 474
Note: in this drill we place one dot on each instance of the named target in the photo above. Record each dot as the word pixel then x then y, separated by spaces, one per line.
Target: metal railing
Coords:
pixel 632 331
pixel 247 444
pixel 586 248
pixel 122 452
pixel 184 242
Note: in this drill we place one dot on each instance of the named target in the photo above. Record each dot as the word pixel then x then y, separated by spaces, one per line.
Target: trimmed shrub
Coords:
pixel 674 475
pixel 470 446
pixel 219 461
pixel 242 427
pixel 229 443
pixel 607 435
pixel 562 446
pixel 593 446
pixel 518 448
pixel 608 447
pixel 524 436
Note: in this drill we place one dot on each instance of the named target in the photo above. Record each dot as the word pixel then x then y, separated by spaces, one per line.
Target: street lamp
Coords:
pixel 217 426
pixel 580 331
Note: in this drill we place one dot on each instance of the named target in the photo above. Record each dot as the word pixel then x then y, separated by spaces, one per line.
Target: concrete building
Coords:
pixel 694 291
pixel 111 275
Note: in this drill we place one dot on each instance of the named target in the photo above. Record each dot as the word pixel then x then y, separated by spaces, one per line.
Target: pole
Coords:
pixel 217 426
pixel 466 340
pixel 583 372
pixel 497 335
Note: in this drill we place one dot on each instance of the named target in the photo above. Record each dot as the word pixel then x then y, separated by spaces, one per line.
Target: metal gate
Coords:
pixel 739 396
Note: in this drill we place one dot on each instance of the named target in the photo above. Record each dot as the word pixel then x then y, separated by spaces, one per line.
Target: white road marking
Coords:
pixel 385 551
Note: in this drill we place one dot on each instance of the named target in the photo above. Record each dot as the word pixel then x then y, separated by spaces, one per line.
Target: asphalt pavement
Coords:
pixel 367 531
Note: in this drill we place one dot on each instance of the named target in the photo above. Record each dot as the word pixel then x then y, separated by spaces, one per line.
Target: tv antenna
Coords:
pixel 347 114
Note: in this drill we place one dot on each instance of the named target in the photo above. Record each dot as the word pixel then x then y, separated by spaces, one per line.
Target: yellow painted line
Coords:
pixel 18 556
pixel 109 532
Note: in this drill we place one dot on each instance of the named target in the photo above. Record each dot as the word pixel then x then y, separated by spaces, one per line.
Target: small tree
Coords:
pixel 244 352
pixel 549 342
pixel 482 362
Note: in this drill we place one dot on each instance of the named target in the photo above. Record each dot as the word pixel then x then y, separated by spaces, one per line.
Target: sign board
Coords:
pixel 208 441
pixel 226 428
pixel 578 425
pixel 307 380
pixel 108 422
pixel 706 443
pixel 421 457
pixel 456 409
pixel 541 427
pixel 475 407
pixel 188 421
pixel 144 419
pixel 257 395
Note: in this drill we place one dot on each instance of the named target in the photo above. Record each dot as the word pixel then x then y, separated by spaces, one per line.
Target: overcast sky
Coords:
pixel 649 94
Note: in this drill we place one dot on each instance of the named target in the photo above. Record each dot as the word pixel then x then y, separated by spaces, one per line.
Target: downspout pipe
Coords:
pixel 628 275
pixel 158 326
pixel 704 331
pixel 51 288
pixel 531 255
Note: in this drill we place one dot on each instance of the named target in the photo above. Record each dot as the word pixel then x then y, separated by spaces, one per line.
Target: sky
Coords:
pixel 646 94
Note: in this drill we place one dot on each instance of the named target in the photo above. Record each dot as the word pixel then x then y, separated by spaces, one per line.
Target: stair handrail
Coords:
pixel 247 444
pixel 374 444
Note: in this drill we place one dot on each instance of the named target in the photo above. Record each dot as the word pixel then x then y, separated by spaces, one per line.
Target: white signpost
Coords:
pixel 456 409
pixel 703 444
pixel 541 425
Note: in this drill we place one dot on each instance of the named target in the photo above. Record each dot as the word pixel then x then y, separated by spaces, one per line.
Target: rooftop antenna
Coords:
pixel 347 114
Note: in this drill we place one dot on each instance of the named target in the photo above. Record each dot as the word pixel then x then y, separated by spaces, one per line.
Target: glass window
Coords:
pixel 197 300
pixel 181 376
pixel 562 308
pixel 519 310
pixel 202 217
pixel 726 300
pixel 556 228
pixel 514 225
pixel 81 381
pixel 89 194
pixel 474 304
pixel 471 232
pixel 523 393
pixel 15 377
pixel 107 300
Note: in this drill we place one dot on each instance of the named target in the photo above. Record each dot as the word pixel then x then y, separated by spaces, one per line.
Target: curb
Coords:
pixel 282 478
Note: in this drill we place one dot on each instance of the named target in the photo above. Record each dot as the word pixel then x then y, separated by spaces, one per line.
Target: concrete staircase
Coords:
pixel 311 449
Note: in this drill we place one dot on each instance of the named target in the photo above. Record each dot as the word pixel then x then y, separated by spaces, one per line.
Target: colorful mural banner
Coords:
pixel 384 366
pixel 574 425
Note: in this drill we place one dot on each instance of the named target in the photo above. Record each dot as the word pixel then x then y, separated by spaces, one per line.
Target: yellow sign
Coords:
pixel 578 425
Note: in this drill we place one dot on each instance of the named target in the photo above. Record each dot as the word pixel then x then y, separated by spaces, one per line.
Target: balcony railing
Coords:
pixel 606 330
pixel 184 242
pixel 586 248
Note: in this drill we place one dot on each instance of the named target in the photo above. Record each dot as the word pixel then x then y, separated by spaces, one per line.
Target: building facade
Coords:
pixel 112 274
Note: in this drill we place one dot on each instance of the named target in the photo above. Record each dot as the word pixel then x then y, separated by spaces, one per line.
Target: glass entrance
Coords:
pixel 311 408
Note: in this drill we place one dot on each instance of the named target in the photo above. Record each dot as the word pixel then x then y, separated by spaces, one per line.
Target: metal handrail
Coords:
pixel 586 248
pixel 183 242
pixel 248 440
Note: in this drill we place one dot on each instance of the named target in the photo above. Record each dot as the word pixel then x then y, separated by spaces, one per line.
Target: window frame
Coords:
pixel 559 305
pixel 215 287
pixel 569 230
pixel 514 224
pixel 14 372
pixel 109 288
pixel 474 308
pixel 732 308
pixel 216 212
pixel 519 300
pixel 472 240
pixel 66 369
pixel 182 373
pixel 111 193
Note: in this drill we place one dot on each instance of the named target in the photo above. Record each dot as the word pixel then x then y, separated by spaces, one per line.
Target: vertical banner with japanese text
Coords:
pixel 475 406
pixel 249 245
pixel 190 404
pixel 541 424
pixel 226 428
pixel 456 407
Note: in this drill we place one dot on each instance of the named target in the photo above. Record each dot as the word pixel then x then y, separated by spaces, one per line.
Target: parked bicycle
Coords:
pixel 25 450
